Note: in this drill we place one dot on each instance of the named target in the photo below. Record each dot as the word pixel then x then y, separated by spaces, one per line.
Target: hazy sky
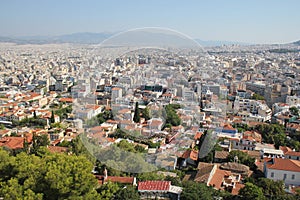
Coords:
pixel 254 21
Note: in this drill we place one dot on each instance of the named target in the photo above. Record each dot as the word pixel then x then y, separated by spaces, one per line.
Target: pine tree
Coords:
pixel 52 120
pixel 136 117
pixel 34 115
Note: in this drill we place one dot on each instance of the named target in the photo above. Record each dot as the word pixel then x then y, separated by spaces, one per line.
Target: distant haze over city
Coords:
pixel 96 38
pixel 250 22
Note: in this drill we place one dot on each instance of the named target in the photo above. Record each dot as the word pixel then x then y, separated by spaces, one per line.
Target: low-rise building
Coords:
pixel 158 190
pixel 283 169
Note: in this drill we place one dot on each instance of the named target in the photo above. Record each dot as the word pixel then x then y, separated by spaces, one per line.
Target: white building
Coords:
pixel 283 169
pixel 252 110
pixel 116 93
pixel 293 100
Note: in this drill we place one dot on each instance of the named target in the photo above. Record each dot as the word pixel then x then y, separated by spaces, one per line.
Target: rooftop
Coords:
pixel 154 185
pixel 283 164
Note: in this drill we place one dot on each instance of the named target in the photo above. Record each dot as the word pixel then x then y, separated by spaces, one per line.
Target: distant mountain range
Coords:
pixel 96 38
pixel 296 43
pixel 79 38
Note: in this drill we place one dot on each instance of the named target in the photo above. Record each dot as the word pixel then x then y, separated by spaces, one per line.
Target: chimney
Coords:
pixel 105 173
pixel 134 181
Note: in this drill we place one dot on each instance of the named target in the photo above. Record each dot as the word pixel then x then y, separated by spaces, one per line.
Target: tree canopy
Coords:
pixel 251 192
pixel 51 176
pixel 197 191
pixel 128 192
pixel 294 110
pixel 172 116
pixel 243 158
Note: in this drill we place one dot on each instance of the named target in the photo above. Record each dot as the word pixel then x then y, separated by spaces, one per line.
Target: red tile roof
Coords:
pixel 57 149
pixel 93 106
pixel 228 127
pixel 154 185
pixel 115 179
pixel 292 153
pixel 284 164
pixel 198 135
pixel 12 142
pixel 118 179
pixel 67 100
pixel 4 132
pixel 237 188
pixel 192 154
pixel 289 152
pixel 217 178
pixel 285 149
pixel 252 136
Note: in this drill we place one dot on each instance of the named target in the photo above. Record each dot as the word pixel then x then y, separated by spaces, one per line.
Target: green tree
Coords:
pixel 279 140
pixel 251 192
pixel 34 114
pixel 39 141
pixel 174 180
pixel 128 192
pixel 108 190
pixel 150 176
pixel 51 176
pixel 13 190
pixel 257 97
pixel 6 164
pixel 243 158
pixel 103 117
pixel 2 127
pixel 137 117
pixel 196 191
pixel 294 110
pixel 78 148
pixel 172 116
pixel 140 149
pixel 146 113
pixel 271 133
pixel 52 119
pixel 126 146
pixel 271 188
pixel 68 177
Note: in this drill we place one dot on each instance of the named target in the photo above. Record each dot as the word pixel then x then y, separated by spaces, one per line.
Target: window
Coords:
pixel 284 176
pixel 272 174
pixel 293 176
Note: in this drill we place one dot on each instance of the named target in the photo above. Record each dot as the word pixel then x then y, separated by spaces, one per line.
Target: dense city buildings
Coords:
pixel 218 118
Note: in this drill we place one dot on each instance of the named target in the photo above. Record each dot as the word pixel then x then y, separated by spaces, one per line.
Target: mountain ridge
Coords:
pixel 96 38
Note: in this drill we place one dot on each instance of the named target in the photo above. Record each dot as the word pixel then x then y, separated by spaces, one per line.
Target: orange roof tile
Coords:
pixel 284 164
pixel 292 153
pixel 198 135
pixel 154 185
pixel 65 99
pixel 12 142
pixel 217 178
pixel 236 189
pixel 194 155
pixel 93 106
pixel 285 149
pixel 57 149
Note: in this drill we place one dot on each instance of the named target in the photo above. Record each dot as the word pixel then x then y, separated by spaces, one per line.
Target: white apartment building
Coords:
pixel 252 110
pixel 116 93
pixel 283 169
pixel 293 101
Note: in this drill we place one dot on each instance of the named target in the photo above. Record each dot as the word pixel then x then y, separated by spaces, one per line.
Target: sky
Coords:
pixel 250 21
